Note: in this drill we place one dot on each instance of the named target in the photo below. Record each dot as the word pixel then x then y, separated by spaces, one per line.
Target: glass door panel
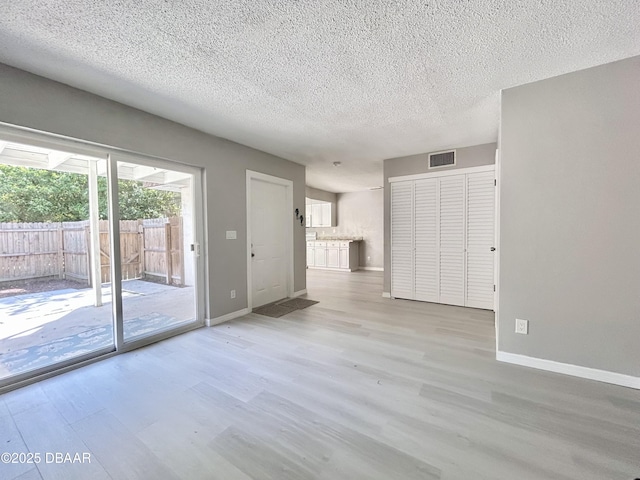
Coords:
pixel 54 308
pixel 156 207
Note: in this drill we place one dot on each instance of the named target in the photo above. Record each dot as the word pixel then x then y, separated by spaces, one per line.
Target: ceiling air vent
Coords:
pixel 442 159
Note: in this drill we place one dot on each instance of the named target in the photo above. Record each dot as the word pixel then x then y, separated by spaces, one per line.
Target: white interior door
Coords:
pixel 269 245
pixel 480 239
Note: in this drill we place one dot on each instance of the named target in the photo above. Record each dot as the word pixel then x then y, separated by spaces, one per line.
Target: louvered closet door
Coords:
pixel 402 240
pixel 480 239
pixel 452 240
pixel 426 240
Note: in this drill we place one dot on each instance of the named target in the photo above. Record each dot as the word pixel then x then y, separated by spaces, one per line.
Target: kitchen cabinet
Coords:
pixel 344 256
pixel 311 260
pixel 333 254
pixel 307 215
pixel 327 215
pixel 320 254
pixel 316 215
pixel 320 214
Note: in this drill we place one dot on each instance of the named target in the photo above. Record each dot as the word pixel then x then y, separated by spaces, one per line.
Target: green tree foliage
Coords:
pixel 138 201
pixel 34 195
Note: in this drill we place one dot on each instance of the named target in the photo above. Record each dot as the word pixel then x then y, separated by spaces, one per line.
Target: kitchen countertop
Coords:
pixel 343 239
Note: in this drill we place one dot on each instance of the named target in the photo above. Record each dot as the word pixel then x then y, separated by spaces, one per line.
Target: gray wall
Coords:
pixel 41 104
pixel 360 215
pixel 570 218
pixel 466 157
pixel 323 195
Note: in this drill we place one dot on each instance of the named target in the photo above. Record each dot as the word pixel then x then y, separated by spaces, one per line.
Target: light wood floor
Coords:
pixel 355 387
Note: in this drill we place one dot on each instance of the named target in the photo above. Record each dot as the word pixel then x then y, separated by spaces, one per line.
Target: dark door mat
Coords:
pixel 283 307
pixel 273 310
pixel 298 303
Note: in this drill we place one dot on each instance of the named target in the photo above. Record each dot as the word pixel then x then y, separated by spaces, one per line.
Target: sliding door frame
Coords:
pixel 123 345
pixel 112 155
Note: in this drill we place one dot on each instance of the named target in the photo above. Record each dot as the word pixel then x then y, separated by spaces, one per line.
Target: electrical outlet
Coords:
pixel 233 294
pixel 522 326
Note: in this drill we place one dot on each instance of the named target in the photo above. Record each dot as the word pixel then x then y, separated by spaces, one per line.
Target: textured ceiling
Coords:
pixel 319 81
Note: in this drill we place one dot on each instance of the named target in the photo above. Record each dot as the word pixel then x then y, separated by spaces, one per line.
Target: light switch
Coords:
pixel 231 235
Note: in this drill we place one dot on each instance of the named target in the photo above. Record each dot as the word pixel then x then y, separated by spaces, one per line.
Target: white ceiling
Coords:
pixel 355 81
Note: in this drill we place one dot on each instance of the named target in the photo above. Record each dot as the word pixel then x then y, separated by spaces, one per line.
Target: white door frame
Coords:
pixel 288 184
pixel 496 264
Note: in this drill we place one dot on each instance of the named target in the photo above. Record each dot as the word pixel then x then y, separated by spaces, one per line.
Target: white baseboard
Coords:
pixel 373 269
pixel 210 322
pixel 386 295
pixel 298 293
pixel 569 369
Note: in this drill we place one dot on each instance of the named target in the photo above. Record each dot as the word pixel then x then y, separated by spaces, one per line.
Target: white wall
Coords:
pixel 570 218
pixel 41 104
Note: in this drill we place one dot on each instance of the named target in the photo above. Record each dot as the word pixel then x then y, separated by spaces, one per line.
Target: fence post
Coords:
pixel 167 246
pixel 105 268
pixel 61 251
pixel 87 242
pixel 141 248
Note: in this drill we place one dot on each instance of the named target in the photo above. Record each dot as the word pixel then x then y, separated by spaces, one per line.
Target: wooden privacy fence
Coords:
pixel 148 248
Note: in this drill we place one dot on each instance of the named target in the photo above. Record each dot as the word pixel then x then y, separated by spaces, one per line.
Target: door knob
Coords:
pixel 493 249
pixel 253 255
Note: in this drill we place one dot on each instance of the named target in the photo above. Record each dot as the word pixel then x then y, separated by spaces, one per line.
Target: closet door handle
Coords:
pixel 493 249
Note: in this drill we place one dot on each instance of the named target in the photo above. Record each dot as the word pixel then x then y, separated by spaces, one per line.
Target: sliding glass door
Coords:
pixel 98 253
pixel 54 308
pixel 157 264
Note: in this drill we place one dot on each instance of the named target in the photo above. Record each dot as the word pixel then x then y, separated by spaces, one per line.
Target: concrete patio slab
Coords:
pixel 42 328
